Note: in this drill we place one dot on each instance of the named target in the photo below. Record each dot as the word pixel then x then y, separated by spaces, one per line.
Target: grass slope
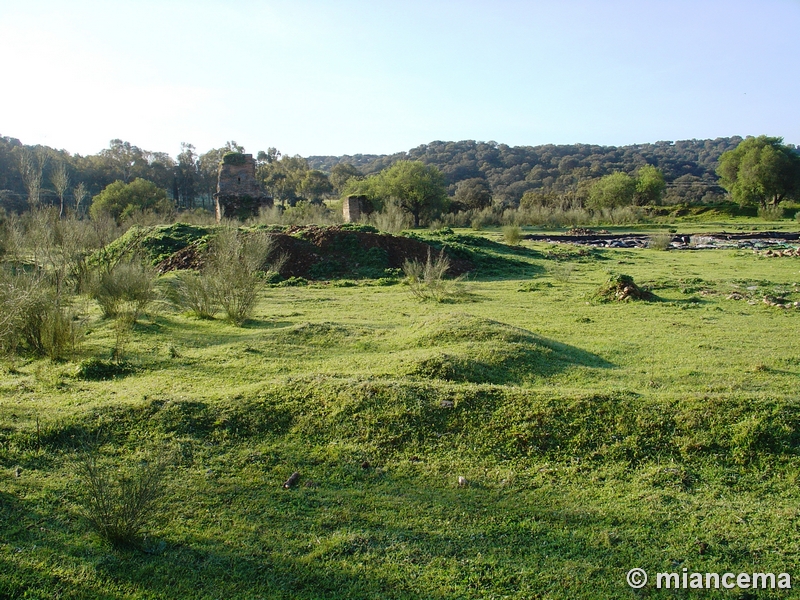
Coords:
pixel 594 437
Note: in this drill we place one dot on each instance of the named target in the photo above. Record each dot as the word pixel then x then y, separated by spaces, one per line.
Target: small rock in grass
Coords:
pixel 462 481
pixel 293 479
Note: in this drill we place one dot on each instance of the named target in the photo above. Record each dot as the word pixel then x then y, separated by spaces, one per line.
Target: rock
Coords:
pixel 365 464
pixel 462 481
pixel 447 404
pixel 17 471
pixel 293 479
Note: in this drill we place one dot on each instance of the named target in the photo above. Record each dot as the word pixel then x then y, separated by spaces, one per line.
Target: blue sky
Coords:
pixel 324 77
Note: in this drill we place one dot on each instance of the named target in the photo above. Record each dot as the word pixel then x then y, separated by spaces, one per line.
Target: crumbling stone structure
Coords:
pixel 353 207
pixel 238 194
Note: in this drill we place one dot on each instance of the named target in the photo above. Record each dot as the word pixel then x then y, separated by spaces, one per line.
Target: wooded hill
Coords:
pixel 510 171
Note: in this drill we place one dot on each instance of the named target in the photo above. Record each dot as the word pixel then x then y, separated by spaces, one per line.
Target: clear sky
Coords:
pixel 350 76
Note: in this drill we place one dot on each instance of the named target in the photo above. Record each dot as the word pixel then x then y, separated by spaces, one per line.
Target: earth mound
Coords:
pixel 333 252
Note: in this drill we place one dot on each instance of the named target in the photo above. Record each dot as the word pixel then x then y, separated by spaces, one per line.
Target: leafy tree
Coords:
pixel 617 189
pixel 186 175
pixel 122 159
pixel 473 193
pixel 315 186
pixel 341 174
pixel 60 180
pixel 283 177
pixel 120 199
pixel 650 185
pixel 760 170
pixel 418 189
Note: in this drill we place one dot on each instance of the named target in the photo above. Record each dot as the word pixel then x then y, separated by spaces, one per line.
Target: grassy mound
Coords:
pixel 464 348
pixel 621 288
pixel 154 243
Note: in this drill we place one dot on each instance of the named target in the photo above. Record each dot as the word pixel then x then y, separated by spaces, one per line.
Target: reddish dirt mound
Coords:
pixel 330 252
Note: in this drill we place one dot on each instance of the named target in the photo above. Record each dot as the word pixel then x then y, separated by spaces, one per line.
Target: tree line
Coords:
pixel 466 175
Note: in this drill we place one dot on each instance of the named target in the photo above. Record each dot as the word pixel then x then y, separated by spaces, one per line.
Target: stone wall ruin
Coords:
pixel 238 194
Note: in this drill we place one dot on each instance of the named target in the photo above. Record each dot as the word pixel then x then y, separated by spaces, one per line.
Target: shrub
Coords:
pixel 126 288
pixel 660 241
pixel 512 234
pixel 195 293
pixel 770 213
pixel 235 261
pixel 392 219
pixel 97 369
pixel 427 281
pixel 31 316
pixel 120 501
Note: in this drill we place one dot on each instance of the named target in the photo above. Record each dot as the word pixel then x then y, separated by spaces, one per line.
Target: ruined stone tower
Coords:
pixel 238 194
pixel 353 207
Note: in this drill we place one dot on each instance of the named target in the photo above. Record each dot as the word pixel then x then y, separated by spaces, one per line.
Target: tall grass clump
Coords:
pixel 195 293
pixel 32 317
pixel 426 281
pixel 512 234
pixel 770 213
pixel 392 219
pixel 660 241
pixel 126 288
pixel 236 258
pixel 119 501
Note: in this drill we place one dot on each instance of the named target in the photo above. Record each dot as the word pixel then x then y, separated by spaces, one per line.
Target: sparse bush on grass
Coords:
pixel 119 501
pixel 194 292
pixel 660 241
pixel 98 369
pixel 770 213
pixel 427 281
pixel 31 317
pixel 512 234
pixel 562 271
pixel 233 269
pixel 127 287
pixel 392 219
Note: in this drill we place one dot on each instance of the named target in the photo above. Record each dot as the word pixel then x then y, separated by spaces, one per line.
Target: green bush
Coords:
pixel 660 241
pixel 97 369
pixel 119 501
pixel 126 288
pixel 770 213
pixel 196 293
pixel 32 318
pixel 512 234
pixel 427 281
pixel 236 259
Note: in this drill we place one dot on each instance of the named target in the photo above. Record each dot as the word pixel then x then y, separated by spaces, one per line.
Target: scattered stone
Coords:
pixel 293 479
pixel 462 481
pixel 17 471
pixel 447 404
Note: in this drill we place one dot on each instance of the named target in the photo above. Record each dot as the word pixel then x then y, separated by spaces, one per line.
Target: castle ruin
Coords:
pixel 238 194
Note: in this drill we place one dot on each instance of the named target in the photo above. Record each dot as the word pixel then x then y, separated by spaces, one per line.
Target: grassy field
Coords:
pixel 593 437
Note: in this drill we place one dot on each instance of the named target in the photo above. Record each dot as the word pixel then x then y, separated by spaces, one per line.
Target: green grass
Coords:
pixel 594 437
